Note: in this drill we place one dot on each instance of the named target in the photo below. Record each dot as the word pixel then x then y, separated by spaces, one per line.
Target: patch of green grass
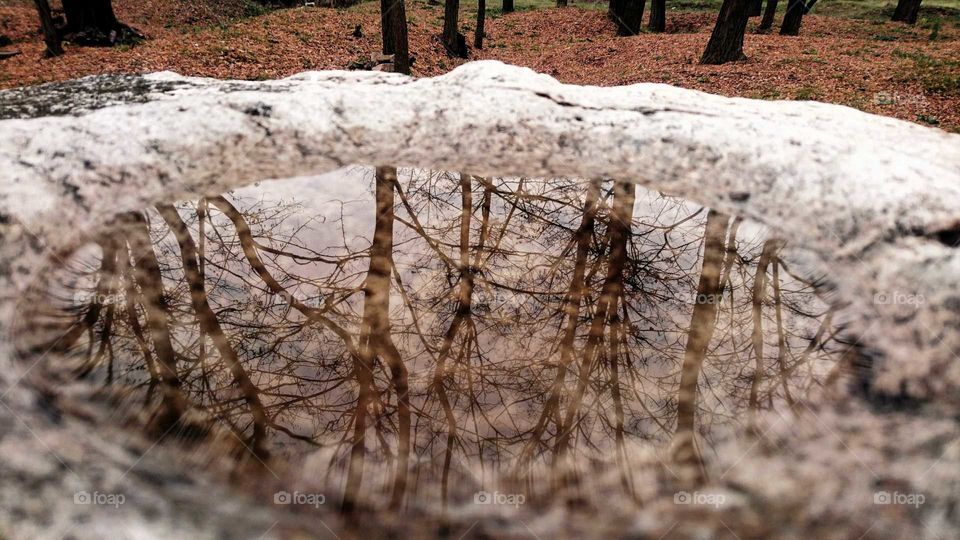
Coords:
pixel 806 93
pixel 935 75
pixel 881 10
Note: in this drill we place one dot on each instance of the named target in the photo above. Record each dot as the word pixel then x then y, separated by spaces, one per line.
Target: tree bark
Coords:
pixel 726 41
pixel 768 16
pixel 507 6
pixel 792 18
pixel 756 8
pixel 481 18
pixel 907 11
pixel 627 15
pixel 93 22
pixel 453 40
pixel 393 22
pixel 50 35
pixel 658 16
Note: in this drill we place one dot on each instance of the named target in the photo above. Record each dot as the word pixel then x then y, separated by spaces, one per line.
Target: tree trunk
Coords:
pixel 726 41
pixel 756 8
pixel 792 18
pixel 481 18
pixel 50 35
pixel 658 16
pixel 627 15
pixel 907 11
pixel 92 22
pixel 507 6
pixel 393 22
pixel 768 15
pixel 561 3
pixel 453 40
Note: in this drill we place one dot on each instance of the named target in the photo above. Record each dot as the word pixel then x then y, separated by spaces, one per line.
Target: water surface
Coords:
pixel 422 338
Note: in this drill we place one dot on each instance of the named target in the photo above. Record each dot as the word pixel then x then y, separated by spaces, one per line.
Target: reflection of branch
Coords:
pixel 250 252
pixel 211 326
pixel 618 230
pixel 583 237
pixel 156 310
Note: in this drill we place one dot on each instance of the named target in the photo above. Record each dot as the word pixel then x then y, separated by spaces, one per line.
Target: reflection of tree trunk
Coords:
pixel 375 341
pixel 619 234
pixel 781 337
pixel 461 314
pixel 702 324
pixel 209 325
pixel 770 248
pixel 130 296
pixel 583 237
pixel 617 340
pixel 156 311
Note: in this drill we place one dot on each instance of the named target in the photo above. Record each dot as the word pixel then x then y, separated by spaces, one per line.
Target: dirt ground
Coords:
pixel 912 73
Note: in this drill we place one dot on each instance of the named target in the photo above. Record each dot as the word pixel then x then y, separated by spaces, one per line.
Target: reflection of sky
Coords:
pixel 334 215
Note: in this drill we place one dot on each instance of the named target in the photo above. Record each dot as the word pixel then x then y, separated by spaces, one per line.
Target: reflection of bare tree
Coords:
pixel 605 311
pixel 718 253
pixel 376 343
pixel 503 322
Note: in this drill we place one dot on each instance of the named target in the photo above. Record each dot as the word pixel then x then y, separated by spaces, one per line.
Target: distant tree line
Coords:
pixel 93 22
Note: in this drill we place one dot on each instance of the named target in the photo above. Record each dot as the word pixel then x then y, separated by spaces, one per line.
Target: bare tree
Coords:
pixel 726 41
pixel 453 40
pixel 50 34
pixel 627 15
pixel 658 16
pixel 481 18
pixel 793 17
pixel 907 11
pixel 393 23
pixel 768 16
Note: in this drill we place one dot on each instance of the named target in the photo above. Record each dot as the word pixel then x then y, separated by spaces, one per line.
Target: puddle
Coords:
pixel 510 328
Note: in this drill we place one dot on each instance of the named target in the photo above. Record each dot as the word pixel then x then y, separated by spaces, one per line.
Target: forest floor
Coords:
pixel 858 59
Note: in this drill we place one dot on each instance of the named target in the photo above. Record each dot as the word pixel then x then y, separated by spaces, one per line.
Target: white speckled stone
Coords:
pixel 865 196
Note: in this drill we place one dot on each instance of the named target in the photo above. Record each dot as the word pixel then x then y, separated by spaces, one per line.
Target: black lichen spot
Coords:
pixel 260 109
